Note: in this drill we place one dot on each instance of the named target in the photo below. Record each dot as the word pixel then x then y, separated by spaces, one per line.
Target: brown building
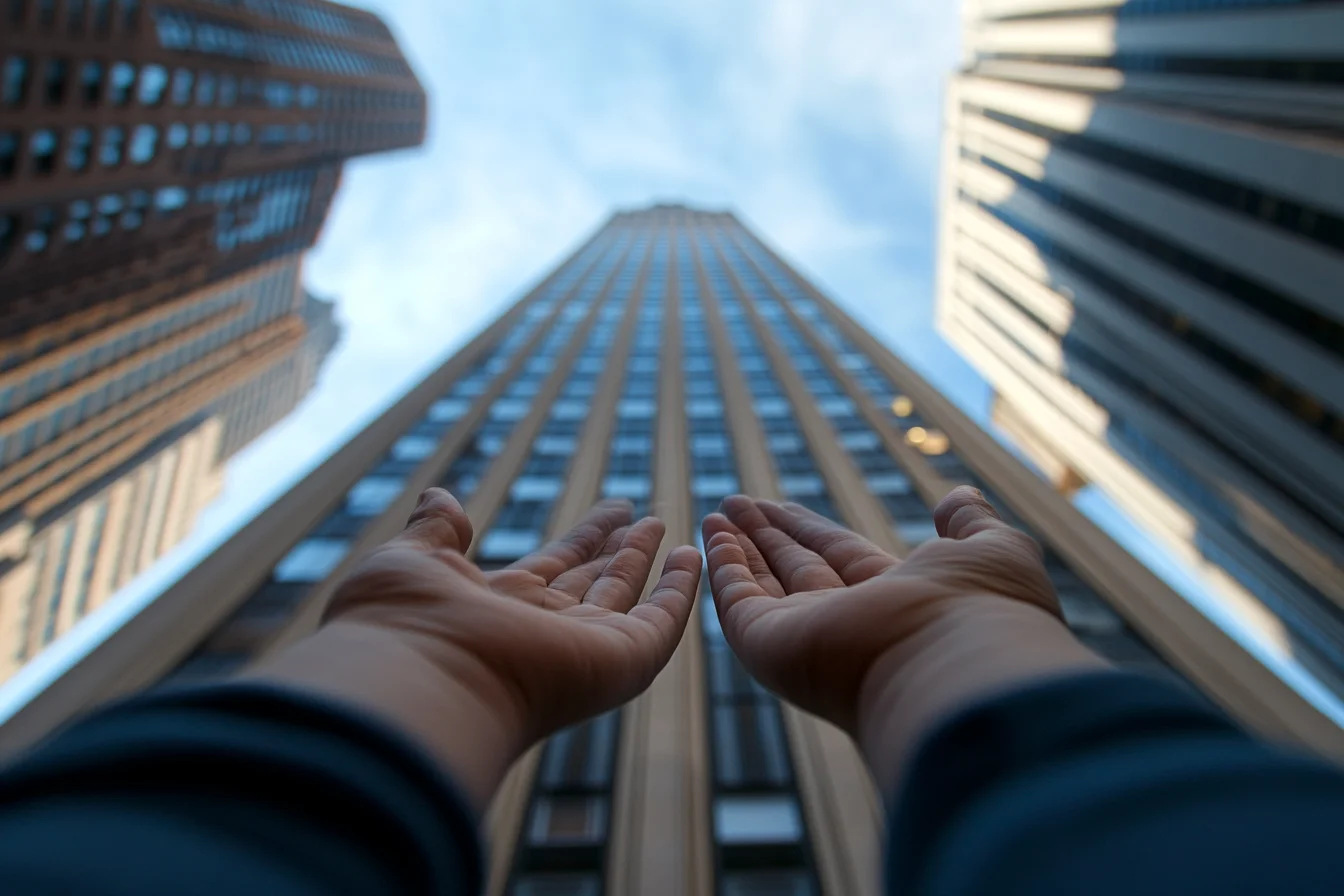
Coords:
pixel 149 147
pixel 1142 249
pixel 267 398
pixel 672 360
pixel 194 378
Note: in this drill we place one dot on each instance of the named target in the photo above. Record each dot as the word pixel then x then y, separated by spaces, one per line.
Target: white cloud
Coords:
pixel 817 121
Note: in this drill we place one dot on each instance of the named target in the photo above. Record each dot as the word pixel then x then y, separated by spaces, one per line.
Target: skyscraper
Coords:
pixel 149 148
pixel 672 359
pixel 163 164
pixel 1141 250
pixel 113 444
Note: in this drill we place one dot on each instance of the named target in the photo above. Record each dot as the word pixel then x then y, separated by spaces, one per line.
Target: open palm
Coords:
pixel 811 607
pixel 559 636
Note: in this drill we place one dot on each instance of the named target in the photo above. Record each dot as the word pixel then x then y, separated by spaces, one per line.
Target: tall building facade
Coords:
pixel 163 165
pixel 112 445
pixel 673 359
pixel 1142 243
pixel 150 147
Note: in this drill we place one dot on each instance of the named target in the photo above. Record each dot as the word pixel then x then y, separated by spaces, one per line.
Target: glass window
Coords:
pixel 711 445
pixel 170 198
pixel 642 364
pixel 636 408
pixel 569 410
pixel 109 154
pixel 413 447
pixel 1085 612
pixel 178 135
pixel 509 409
pixel 447 410
pixel 589 364
pixel 704 407
pixel 785 443
pixel 77 146
pixel 15 81
pixel 181 87
pixel 311 560
pixel 889 484
pixel 802 486
pixel 631 445
pixel 372 495
pixel 153 80
pixel 916 532
pixel 568 821
pixel 636 488
pixel 860 440
pixel 555 446
pixel 536 488
pixel 143 140
pixel 43 147
pixel 772 407
pixel 757 820
pixel 837 406
pixel 120 79
pixel 507 545
pixel 714 486
pixel 205 89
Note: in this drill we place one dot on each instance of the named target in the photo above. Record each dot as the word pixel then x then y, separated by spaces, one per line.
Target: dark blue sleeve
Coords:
pixel 1112 784
pixel 235 789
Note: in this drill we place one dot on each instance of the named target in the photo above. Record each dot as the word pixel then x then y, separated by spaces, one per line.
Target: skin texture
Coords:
pixel 479 666
pixel 881 647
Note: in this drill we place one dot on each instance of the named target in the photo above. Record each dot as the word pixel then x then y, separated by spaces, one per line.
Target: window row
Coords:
pixel 96 17
pixel 180 30
pixel 268 297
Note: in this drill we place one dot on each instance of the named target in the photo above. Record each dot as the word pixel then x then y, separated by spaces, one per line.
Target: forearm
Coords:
pixel 975 648
pixel 475 736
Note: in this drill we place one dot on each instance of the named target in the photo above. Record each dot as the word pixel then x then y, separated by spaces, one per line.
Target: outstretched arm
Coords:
pixel 882 647
pixel 478 666
pixel 335 766
pixel 1015 761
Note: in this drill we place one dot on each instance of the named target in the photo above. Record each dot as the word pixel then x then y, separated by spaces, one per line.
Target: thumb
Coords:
pixel 965 512
pixel 438 522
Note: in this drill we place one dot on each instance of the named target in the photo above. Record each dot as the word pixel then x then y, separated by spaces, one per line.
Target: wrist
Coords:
pixel 447 705
pixel 972 648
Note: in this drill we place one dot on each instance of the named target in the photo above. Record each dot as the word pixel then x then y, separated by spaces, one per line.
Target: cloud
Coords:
pixel 818 122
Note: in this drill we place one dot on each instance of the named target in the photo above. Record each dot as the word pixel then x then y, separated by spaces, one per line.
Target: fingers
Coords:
pixel 796 567
pixel 578 580
pixel 438 522
pixel 622 580
pixel 965 512
pixel 730 576
pixel 578 545
pixel 668 608
pixel 716 523
pixel 854 558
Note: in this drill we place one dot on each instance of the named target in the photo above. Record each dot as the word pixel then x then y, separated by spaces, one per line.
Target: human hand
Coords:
pixel 827 620
pixel 477 666
pixel 557 637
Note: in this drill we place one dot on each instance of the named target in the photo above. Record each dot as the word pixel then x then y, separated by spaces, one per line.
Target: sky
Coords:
pixel 818 124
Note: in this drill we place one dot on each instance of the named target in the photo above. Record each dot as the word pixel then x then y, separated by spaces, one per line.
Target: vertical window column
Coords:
pixel 629 468
pixel 562 847
pixel 799 478
pixel 760 835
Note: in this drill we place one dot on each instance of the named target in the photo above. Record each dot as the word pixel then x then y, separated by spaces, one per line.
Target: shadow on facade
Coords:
pixel 1142 256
